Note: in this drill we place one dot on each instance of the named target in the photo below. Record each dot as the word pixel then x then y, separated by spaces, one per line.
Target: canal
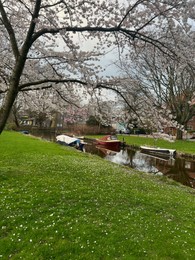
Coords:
pixel 179 169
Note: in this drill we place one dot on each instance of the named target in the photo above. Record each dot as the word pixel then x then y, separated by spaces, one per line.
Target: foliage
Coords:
pixel 55 44
pixel 92 121
pixel 59 203
pixel 163 87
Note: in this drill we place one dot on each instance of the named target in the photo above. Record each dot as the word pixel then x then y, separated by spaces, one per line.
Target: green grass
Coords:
pixel 179 145
pixel 59 203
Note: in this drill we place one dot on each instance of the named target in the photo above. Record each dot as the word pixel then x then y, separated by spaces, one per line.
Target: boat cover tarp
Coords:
pixel 67 139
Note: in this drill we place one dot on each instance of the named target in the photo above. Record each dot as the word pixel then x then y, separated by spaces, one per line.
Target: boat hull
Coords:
pixel 109 142
pixel 157 150
pixel 114 146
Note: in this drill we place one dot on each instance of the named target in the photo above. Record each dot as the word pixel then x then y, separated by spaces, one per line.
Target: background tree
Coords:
pixel 39 47
pixel 172 84
pixel 46 103
pixel 92 121
pixel 167 83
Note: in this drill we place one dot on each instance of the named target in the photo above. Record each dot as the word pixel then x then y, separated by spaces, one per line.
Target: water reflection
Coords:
pixel 179 169
pixel 45 135
pixel 182 171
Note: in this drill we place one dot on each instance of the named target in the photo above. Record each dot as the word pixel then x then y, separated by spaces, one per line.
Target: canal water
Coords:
pixel 179 169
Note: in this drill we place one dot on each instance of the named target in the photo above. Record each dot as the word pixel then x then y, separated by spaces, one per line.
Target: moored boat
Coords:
pixel 70 141
pixel 158 150
pixel 110 142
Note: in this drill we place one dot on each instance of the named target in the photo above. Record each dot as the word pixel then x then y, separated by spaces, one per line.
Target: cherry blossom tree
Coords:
pixel 168 83
pixel 140 110
pixel 41 40
pixel 46 103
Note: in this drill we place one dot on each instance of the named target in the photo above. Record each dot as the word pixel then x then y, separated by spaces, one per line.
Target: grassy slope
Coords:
pixel 58 203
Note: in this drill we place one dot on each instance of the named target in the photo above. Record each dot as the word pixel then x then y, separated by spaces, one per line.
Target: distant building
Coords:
pixel 27 121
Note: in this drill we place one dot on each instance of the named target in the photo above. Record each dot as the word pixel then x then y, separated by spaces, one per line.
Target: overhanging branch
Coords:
pixel 66 100
pixel 120 94
pixel 56 81
pixel 132 34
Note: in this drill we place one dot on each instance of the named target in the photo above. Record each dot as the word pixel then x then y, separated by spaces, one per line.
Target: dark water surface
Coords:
pixel 179 169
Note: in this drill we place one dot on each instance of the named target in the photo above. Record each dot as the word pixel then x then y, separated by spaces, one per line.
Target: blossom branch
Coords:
pixel 10 31
pixel 66 100
pixel 100 85
pixel 129 11
pixel 56 81
pixel 133 34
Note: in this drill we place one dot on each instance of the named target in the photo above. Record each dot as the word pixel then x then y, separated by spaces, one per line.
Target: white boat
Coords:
pixel 158 150
pixel 70 141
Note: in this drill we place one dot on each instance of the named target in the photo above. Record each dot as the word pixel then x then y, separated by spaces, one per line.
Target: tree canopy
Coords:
pixel 168 84
pixel 41 41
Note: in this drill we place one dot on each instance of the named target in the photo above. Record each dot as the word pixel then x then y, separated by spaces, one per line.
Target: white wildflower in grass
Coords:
pixel 85 201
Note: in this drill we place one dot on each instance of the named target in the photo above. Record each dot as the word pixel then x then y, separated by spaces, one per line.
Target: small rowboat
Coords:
pixel 158 150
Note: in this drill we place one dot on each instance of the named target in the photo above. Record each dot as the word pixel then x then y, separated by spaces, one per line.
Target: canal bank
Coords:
pixel 59 203
pixel 181 168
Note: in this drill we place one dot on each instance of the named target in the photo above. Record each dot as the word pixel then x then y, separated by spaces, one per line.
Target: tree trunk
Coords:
pixel 7 106
pixel 13 88
pixel 16 121
pixel 15 115
pixel 179 135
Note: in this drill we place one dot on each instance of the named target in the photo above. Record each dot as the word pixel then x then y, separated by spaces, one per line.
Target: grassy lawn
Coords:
pixel 59 203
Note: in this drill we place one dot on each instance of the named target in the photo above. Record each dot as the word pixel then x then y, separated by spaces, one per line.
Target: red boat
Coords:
pixel 109 142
